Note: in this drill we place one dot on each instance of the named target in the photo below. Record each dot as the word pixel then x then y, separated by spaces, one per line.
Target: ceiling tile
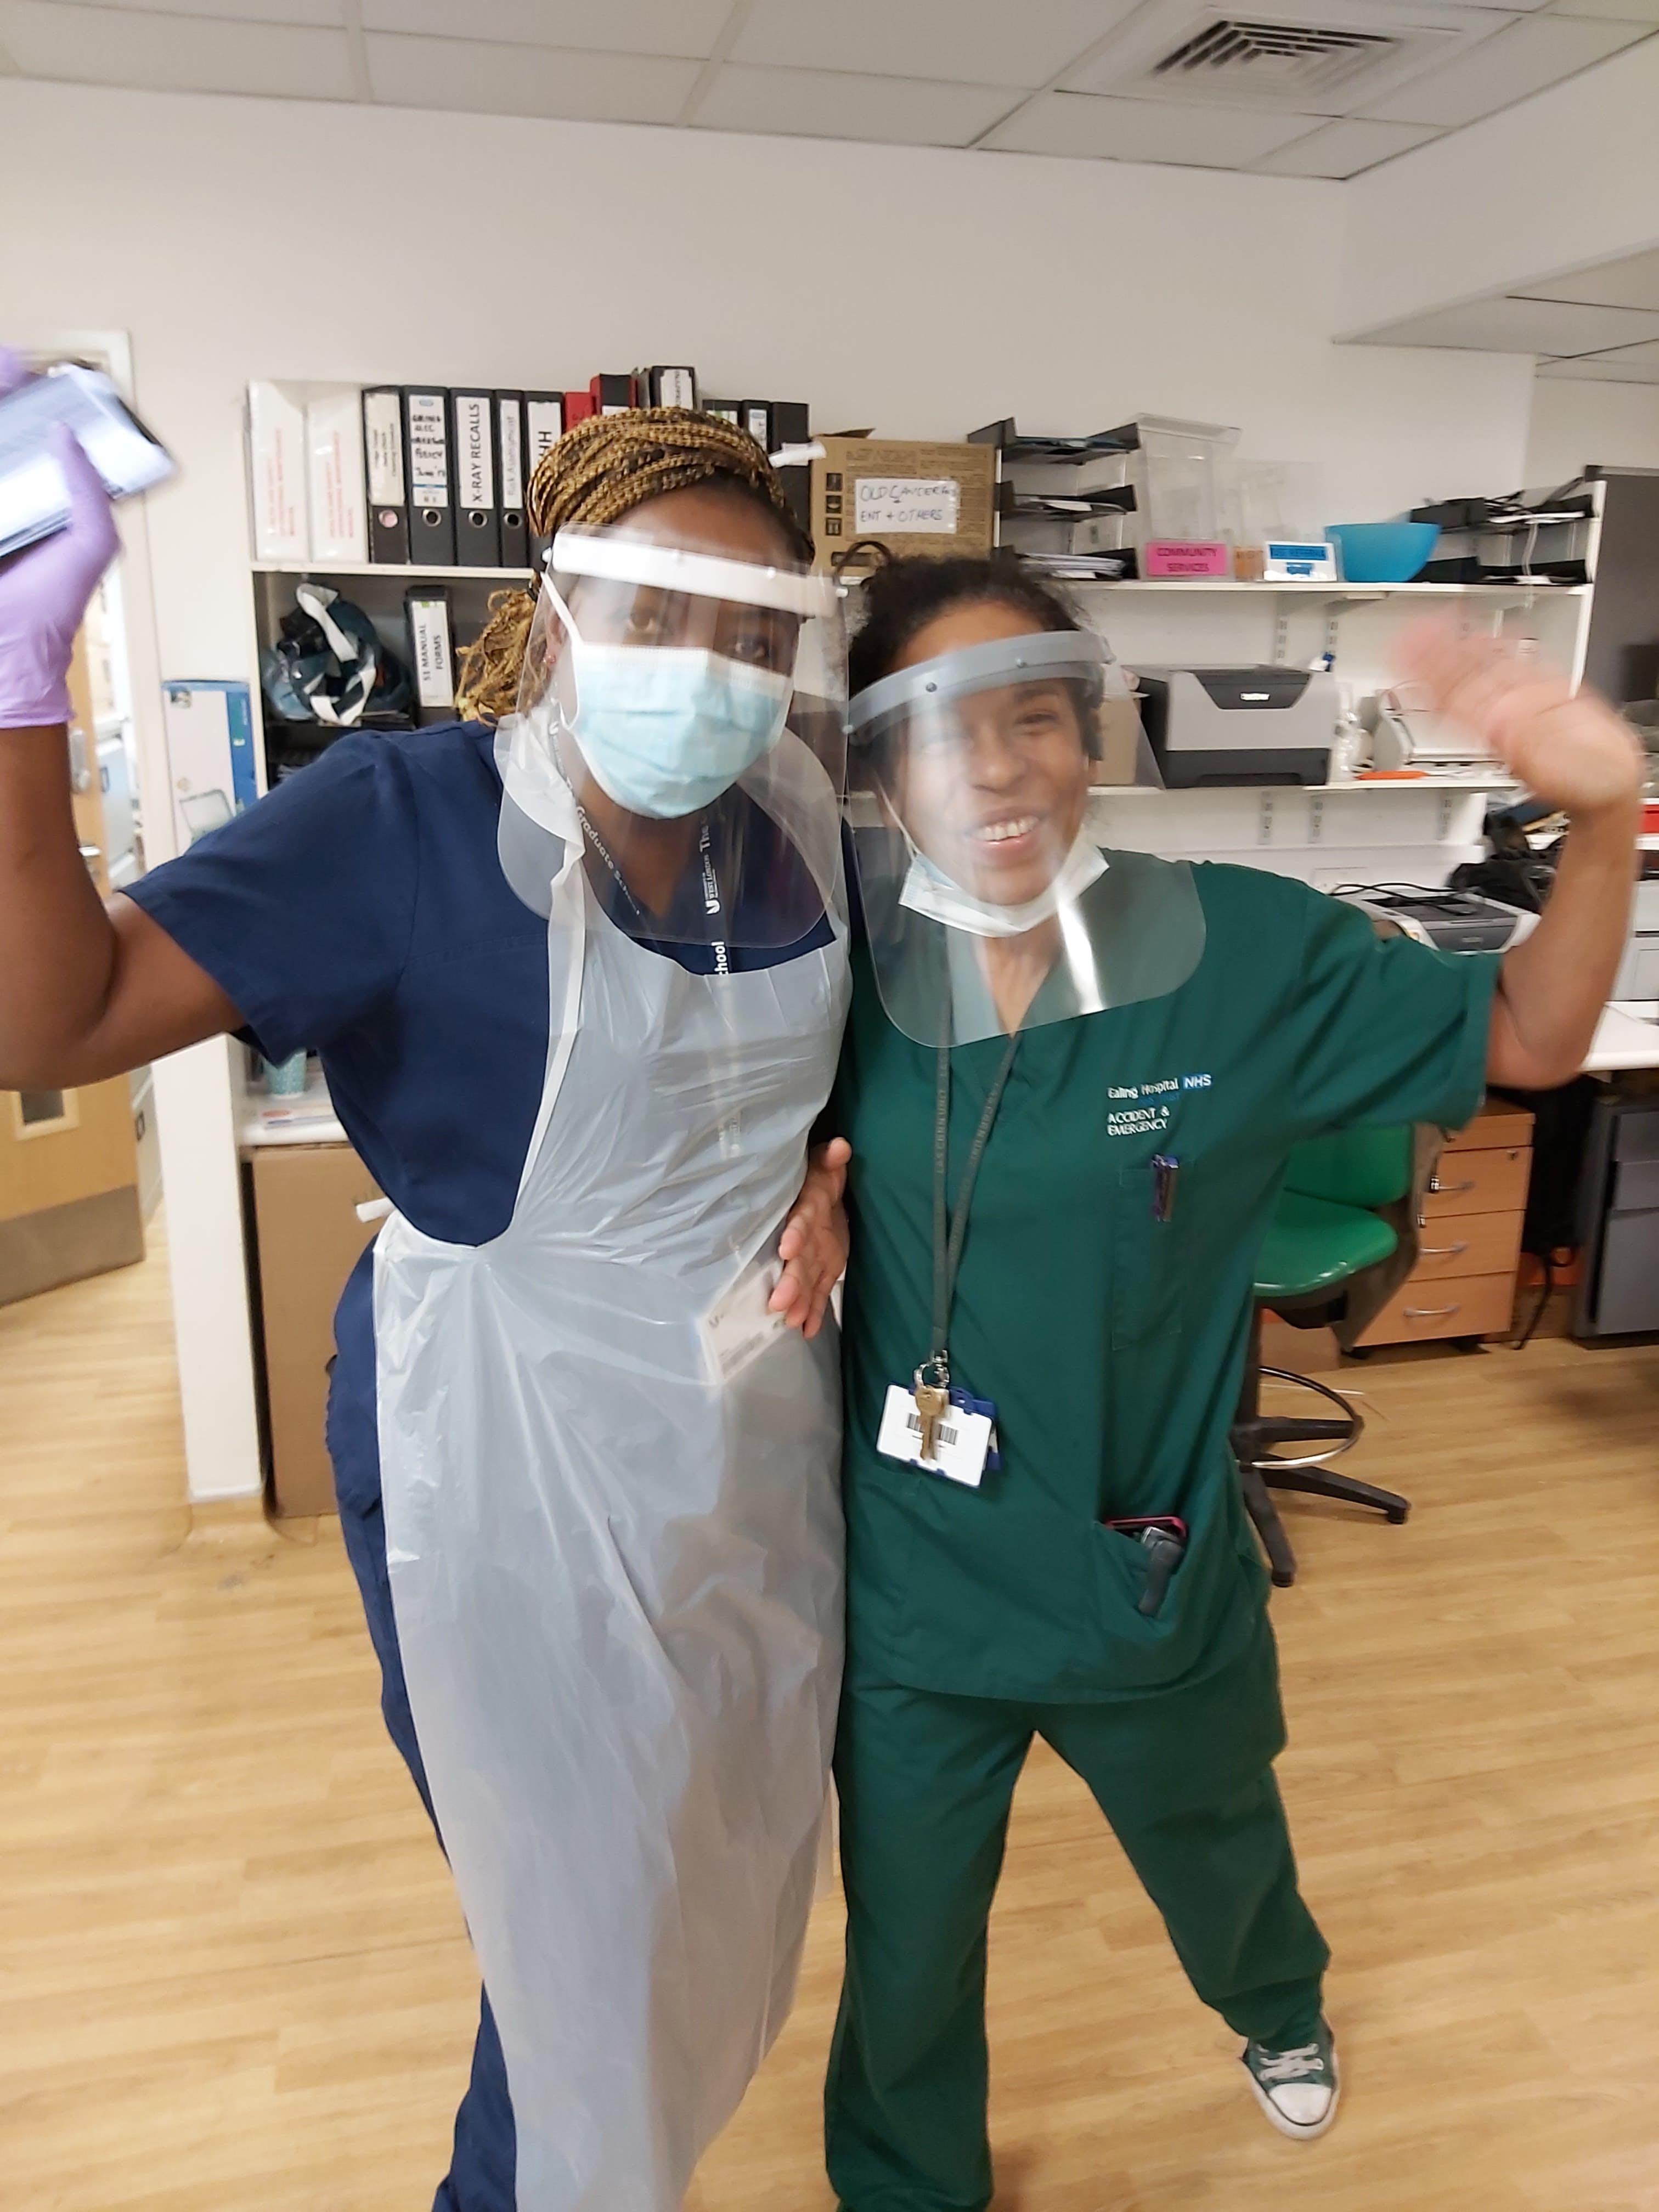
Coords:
pixel 968 42
pixel 503 80
pixel 1615 11
pixel 830 104
pixel 1144 130
pixel 282 12
pixel 1343 150
pixel 1631 283
pixel 618 26
pixel 174 54
pixel 1516 326
pixel 1519 61
pixel 1628 365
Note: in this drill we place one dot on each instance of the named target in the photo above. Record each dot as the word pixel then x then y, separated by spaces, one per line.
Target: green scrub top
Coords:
pixel 1112 1343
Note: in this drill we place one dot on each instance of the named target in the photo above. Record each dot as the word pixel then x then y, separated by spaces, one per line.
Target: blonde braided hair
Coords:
pixel 595 474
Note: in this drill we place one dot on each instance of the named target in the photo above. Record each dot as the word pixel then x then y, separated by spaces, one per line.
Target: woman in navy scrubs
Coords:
pixel 369 909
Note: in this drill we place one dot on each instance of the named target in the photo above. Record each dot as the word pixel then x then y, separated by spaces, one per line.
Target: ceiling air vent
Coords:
pixel 1238 59
pixel 1296 57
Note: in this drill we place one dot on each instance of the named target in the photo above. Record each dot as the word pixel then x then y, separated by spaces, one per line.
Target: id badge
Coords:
pixel 738 1327
pixel 961 1447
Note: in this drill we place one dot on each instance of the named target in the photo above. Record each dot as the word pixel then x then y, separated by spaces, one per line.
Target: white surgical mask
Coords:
pixel 927 890
pixel 666 729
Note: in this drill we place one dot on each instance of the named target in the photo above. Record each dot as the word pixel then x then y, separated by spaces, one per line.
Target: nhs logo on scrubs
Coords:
pixel 1142 1109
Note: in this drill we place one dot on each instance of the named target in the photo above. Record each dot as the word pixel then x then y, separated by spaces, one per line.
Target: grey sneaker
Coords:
pixel 1296 2088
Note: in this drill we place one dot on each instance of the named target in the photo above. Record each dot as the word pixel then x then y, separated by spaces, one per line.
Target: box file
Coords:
pixel 428 471
pixel 478 535
pixel 667 387
pixel 383 469
pixel 431 653
pixel 278 473
pixel 613 394
pixel 790 424
pixel 334 461
pixel 510 478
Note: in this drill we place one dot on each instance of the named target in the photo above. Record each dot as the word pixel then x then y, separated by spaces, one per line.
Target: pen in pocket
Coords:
pixel 1165 1169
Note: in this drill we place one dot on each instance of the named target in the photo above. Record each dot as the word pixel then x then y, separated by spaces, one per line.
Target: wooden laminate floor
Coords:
pixel 234 1979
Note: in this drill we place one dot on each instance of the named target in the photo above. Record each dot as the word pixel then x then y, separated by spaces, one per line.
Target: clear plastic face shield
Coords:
pixel 681 714
pixel 980 869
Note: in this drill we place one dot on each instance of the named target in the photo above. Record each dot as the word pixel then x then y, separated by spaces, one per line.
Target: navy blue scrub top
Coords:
pixel 360 911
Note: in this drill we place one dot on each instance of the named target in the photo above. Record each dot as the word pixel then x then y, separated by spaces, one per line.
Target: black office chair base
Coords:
pixel 1256 1439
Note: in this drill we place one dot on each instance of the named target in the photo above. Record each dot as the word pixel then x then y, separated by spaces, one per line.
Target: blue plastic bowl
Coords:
pixel 1383 552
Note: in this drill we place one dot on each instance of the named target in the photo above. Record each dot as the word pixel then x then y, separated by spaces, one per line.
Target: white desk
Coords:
pixel 1628 1035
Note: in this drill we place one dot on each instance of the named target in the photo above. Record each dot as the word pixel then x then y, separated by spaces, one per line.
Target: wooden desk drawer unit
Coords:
pixel 1479 1182
pixel 1468 1244
pixel 1463 1284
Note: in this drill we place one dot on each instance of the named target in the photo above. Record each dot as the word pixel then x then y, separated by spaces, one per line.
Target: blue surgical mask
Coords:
pixel 666 729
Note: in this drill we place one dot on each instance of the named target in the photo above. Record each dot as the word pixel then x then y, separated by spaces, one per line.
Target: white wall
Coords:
pixel 1568 177
pixel 1575 421
pixel 925 292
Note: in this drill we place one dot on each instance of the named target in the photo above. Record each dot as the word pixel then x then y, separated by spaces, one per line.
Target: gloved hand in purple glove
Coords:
pixel 43 590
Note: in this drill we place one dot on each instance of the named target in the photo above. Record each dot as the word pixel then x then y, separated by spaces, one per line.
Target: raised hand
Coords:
pixel 1567 747
pixel 43 590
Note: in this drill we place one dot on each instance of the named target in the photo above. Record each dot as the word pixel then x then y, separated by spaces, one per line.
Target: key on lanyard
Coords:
pixel 933 1401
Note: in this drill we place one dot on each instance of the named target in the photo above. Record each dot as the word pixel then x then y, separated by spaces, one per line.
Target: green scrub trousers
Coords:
pixel 926 1783
pixel 1111 1332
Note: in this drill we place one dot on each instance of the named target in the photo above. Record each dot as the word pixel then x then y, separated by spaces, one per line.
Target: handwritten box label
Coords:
pixel 906 507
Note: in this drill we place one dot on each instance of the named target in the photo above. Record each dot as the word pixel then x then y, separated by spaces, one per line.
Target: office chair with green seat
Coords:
pixel 1326 1232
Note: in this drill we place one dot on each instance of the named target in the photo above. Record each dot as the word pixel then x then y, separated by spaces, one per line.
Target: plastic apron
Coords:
pixel 618 1583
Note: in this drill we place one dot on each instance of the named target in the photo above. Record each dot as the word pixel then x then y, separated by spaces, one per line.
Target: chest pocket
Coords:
pixel 1149 1259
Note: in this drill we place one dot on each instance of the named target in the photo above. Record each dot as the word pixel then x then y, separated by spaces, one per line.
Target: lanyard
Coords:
pixel 950 1227
pixel 712 902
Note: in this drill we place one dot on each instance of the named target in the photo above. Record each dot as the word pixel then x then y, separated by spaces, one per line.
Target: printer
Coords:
pixel 1232 726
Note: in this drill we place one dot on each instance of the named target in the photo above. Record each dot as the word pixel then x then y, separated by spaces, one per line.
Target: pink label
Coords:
pixel 1180 557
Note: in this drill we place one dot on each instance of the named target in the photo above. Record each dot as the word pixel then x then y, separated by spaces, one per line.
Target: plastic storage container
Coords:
pixel 1383 552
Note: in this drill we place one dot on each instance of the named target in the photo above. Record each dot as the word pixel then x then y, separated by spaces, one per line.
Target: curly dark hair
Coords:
pixel 903 596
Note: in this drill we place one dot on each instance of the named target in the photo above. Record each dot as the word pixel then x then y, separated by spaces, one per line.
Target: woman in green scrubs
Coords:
pixel 1071 1082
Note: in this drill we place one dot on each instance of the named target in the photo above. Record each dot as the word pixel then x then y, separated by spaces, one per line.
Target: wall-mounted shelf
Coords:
pixel 1194 586
pixel 387 568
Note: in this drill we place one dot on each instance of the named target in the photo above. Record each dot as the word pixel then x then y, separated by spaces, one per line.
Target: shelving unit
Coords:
pixel 300 569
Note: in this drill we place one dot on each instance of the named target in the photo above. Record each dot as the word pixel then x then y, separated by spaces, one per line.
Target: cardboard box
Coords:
pixel 1120 746
pixel 307 1239
pixel 909 497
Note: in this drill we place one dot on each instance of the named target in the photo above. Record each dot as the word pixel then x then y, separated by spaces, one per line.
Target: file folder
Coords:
pixel 429 474
pixel 578 406
pixel 478 533
pixel 543 426
pixel 277 472
pixel 334 456
pixel 383 468
pixel 791 425
pixel 668 387
pixel 613 395
pixel 756 417
pixel 431 655
pixel 510 478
